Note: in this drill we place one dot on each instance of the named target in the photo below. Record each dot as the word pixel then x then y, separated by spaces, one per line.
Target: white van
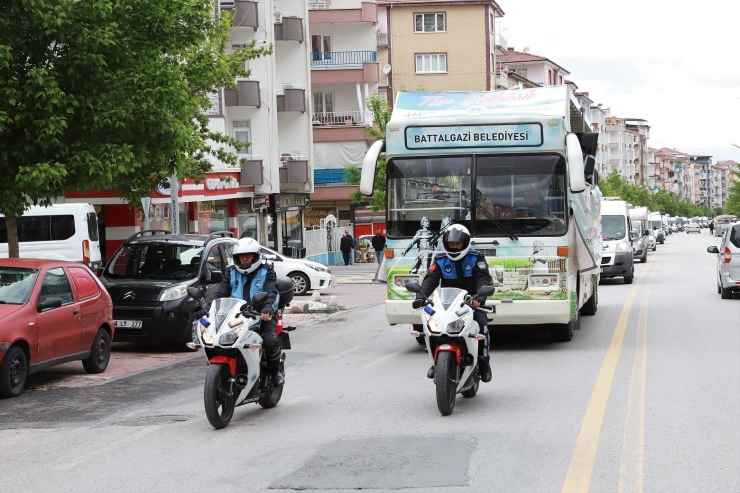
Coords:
pixel 616 226
pixel 60 232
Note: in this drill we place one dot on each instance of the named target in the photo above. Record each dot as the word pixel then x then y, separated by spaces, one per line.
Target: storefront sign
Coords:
pixel 207 206
pixel 463 136
pixel 314 215
pixel 260 202
pixel 291 202
pixel 228 183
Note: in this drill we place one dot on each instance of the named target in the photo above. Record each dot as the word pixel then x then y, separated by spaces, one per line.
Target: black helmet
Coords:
pixel 456 233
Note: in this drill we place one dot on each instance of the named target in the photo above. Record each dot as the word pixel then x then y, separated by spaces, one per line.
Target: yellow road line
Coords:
pixel 578 478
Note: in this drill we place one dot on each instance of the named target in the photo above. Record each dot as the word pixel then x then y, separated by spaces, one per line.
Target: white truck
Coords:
pixel 639 217
pixel 617 230
pixel 656 225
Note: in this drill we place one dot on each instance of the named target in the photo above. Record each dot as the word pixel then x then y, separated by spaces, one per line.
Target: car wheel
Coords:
pixel 726 293
pixel 100 353
pixel 301 284
pixel 13 373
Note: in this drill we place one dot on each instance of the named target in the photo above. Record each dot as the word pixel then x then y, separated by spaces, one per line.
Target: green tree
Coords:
pixel 108 94
pixel 381 114
pixel 733 202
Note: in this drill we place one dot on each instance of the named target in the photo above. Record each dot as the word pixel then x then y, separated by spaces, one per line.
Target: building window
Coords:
pixel 323 102
pixel 491 21
pixel 549 77
pixel 429 23
pixel 243 133
pixel 560 80
pixel 521 72
pixel 240 46
pixel 434 63
pixel 320 47
pixel 493 63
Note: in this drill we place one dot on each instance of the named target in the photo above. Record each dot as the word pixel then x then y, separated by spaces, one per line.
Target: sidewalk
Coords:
pixel 352 293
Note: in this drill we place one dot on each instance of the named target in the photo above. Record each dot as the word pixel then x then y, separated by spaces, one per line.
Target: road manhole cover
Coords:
pixel 159 419
pixel 385 463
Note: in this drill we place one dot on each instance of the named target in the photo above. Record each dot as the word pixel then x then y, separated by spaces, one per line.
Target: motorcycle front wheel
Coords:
pixel 219 406
pixel 445 376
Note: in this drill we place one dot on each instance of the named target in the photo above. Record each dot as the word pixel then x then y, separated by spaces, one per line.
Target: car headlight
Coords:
pixel 623 246
pixel 318 268
pixel 174 293
pixel 433 325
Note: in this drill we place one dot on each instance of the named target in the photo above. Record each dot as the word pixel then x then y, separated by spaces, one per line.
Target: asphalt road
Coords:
pixel 645 398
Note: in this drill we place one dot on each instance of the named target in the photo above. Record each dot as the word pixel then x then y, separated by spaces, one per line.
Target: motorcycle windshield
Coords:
pixel 221 307
pixel 448 295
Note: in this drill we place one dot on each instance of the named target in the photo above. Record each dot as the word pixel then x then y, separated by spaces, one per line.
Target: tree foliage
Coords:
pixel 109 94
pixel 615 185
pixel 381 114
pixel 733 202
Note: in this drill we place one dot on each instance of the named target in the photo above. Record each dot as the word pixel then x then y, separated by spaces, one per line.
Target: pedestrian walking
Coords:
pixel 711 228
pixel 346 244
pixel 379 245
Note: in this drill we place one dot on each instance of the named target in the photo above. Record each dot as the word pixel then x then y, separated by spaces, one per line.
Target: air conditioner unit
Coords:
pixel 278 17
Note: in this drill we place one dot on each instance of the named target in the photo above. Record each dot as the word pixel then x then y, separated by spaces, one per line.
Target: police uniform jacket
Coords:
pixel 262 279
pixel 469 273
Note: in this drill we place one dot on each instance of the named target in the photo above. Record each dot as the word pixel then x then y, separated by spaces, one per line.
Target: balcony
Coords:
pixel 288 28
pixel 338 11
pixel 251 170
pixel 342 59
pixel 293 170
pixel 245 12
pixel 339 126
pixel 338 119
pixel 292 99
pixel 247 93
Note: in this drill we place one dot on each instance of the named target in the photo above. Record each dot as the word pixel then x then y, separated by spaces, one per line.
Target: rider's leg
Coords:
pixel 484 365
pixel 271 346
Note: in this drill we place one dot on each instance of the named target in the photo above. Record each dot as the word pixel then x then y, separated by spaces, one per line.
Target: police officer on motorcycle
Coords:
pixel 250 275
pixel 464 268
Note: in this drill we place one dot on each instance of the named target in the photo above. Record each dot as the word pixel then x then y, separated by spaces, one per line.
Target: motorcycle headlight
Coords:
pixel 623 246
pixel 230 337
pixel 456 326
pixel 207 337
pixel 433 325
pixel 174 293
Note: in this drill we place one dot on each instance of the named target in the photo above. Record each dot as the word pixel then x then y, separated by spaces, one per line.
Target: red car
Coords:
pixel 51 312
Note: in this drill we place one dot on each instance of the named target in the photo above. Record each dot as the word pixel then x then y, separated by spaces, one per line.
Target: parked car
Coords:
pixel 728 262
pixel 639 244
pixel 693 228
pixel 306 275
pixel 148 277
pixel 674 229
pixel 51 312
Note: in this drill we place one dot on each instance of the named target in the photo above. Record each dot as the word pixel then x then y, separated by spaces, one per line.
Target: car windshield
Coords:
pixel 155 261
pixel 613 227
pixel 16 284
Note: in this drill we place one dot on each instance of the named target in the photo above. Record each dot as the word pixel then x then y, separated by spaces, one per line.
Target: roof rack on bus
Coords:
pixel 150 231
pixel 222 234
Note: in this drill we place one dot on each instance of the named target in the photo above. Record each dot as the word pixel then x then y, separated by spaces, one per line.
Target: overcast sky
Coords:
pixel 673 63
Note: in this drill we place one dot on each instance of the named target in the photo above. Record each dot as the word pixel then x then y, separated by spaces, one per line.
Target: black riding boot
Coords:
pixel 273 367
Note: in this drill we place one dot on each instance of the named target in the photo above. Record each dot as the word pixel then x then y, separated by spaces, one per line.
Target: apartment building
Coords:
pixel 672 172
pixel 538 69
pixel 639 133
pixel 701 166
pixel 344 72
pixel 620 150
pixel 265 195
pixel 438 45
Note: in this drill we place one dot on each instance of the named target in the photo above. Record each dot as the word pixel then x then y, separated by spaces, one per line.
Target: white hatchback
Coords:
pixel 306 275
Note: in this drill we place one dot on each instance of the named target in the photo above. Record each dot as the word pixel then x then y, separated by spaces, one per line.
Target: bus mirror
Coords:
pixel 575 164
pixel 367 180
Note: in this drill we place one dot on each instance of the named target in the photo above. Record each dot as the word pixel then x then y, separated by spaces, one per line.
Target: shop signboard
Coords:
pixel 315 215
pixel 291 202
pixel 207 206
pixel 260 202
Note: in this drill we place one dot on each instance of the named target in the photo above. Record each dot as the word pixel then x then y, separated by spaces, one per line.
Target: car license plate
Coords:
pixel 127 324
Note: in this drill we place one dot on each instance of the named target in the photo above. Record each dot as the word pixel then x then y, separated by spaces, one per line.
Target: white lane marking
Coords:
pixel 111 446
pixel 380 360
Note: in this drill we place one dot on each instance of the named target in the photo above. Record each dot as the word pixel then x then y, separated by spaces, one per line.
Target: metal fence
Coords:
pixel 334 59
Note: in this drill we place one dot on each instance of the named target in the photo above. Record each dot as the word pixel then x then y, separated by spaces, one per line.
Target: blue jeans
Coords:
pixel 379 256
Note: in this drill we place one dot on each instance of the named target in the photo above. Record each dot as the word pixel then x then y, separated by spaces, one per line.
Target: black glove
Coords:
pixel 417 303
pixel 480 299
pixel 267 311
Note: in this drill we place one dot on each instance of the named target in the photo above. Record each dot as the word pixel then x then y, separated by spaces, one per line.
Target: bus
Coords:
pixel 508 166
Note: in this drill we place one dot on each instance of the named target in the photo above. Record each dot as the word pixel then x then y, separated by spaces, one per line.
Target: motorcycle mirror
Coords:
pixel 485 291
pixel 194 293
pixel 258 300
pixel 413 287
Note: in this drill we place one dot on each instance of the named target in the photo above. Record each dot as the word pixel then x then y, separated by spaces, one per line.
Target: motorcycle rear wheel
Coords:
pixel 219 406
pixel 445 375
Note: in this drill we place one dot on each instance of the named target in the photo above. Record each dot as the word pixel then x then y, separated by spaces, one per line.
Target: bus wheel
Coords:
pixel 564 332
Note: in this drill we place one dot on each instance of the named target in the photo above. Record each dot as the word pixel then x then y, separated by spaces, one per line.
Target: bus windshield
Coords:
pixel 523 195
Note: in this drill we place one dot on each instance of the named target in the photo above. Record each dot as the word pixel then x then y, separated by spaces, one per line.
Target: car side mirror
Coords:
pixel 258 300
pixel 273 258
pixel 713 249
pixel 211 277
pixel 634 236
pixel 49 303
pixel 413 287
pixel 485 291
pixel 194 293
pixel 99 271
pixel 646 233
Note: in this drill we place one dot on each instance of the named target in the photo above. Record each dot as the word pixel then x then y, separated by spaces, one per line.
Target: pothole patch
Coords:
pixel 158 419
pixel 388 463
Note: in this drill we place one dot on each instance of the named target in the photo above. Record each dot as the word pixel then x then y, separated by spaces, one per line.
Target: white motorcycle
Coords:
pixel 451 336
pixel 231 338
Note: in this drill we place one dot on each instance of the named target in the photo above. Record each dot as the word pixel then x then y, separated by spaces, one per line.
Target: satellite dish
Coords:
pixel 387 69
pixel 526 49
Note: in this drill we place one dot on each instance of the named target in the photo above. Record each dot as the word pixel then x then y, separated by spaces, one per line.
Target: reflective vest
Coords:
pixel 238 280
pixel 449 269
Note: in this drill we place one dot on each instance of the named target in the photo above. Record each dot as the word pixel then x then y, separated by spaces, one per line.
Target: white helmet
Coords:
pixel 247 245
pixel 459 234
